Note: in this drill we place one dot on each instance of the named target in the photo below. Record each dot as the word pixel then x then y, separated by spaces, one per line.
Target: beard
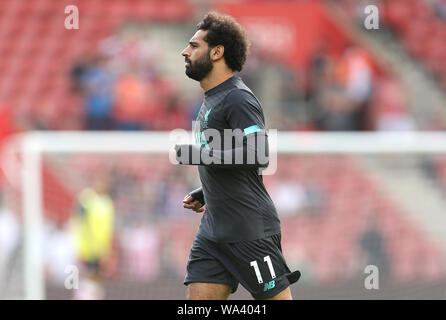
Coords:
pixel 200 68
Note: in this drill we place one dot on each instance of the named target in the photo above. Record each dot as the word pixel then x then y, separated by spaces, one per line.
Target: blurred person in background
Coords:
pixel 98 84
pixel 79 68
pixel 93 226
pixel 342 91
pixel 373 246
pixel 318 67
pixel 357 79
pixel 129 110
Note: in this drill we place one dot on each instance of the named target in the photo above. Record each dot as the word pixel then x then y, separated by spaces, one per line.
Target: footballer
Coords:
pixel 239 238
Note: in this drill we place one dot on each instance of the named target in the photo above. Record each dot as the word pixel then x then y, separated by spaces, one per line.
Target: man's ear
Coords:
pixel 217 52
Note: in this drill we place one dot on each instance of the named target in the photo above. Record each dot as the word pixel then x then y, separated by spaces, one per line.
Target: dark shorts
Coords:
pixel 258 265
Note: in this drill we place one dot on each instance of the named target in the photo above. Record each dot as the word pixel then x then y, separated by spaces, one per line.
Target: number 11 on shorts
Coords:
pixel 254 264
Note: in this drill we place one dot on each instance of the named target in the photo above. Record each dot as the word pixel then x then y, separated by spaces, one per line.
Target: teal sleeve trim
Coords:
pixel 251 129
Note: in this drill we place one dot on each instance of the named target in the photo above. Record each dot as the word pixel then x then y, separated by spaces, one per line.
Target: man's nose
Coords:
pixel 184 53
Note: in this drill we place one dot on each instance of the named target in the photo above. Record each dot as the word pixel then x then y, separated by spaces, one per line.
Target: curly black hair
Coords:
pixel 226 31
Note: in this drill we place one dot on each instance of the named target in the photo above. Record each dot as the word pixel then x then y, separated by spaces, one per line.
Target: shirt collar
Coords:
pixel 225 84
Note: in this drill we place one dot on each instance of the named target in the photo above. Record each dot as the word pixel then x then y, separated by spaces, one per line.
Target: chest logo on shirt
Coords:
pixel 200 138
pixel 206 116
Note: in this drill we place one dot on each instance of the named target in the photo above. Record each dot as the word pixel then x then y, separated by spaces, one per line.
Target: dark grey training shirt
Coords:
pixel 238 207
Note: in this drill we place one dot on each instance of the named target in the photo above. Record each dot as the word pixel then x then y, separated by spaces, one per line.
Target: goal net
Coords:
pixel 363 216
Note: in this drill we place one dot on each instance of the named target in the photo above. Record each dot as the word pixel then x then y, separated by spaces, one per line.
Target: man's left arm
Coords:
pixel 243 115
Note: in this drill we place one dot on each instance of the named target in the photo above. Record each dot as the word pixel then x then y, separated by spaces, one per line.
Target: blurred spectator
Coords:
pixel 92 227
pixel 292 101
pixel 359 77
pixel 130 102
pixel 77 72
pixel 373 246
pixel 334 111
pixel 319 66
pixel 357 74
pixel 430 167
pixel 342 93
pixel 98 82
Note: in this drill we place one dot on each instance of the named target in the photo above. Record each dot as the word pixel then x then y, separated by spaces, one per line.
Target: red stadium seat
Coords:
pixel 422 32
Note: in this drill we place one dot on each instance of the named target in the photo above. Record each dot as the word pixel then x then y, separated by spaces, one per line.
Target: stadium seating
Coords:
pixel 37 54
pixel 422 32
pixel 37 50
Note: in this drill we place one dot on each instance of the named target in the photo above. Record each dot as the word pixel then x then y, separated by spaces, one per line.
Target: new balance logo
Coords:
pixel 270 285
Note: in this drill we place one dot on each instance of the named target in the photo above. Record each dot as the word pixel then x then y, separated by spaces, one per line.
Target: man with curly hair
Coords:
pixel 239 238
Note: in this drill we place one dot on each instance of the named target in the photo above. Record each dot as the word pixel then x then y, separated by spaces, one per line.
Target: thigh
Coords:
pixel 208 291
pixel 283 295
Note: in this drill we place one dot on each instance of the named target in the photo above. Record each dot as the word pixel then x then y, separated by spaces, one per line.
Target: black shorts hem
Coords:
pixel 232 285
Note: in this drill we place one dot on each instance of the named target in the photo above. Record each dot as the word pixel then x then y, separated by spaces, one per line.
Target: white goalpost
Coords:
pixel 399 146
